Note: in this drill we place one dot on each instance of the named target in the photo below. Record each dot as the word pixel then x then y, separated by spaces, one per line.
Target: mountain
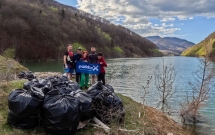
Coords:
pixel 41 30
pixel 205 47
pixel 170 45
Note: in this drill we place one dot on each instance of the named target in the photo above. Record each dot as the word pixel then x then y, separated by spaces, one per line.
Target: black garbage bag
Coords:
pixel 74 86
pixel 110 87
pixel 66 88
pixel 22 75
pixel 30 76
pixel 24 108
pixel 95 89
pixel 107 105
pixel 61 113
pixel 26 75
pixel 27 85
pixel 63 85
pixel 39 84
pixel 85 102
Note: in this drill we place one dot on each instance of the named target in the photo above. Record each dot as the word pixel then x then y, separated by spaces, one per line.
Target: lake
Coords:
pixel 129 75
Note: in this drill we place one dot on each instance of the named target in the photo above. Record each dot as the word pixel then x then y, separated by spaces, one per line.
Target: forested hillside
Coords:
pixel 170 45
pixel 41 30
pixel 207 46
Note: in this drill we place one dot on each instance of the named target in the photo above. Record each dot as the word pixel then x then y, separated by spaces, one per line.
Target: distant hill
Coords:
pixel 170 45
pixel 41 30
pixel 207 46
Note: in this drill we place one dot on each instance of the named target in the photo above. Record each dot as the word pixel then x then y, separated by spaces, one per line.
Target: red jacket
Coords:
pixel 103 65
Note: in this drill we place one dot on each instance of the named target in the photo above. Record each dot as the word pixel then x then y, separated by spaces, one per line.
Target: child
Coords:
pixel 101 61
pixel 84 76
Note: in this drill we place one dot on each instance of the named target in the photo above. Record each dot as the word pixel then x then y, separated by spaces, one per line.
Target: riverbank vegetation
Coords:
pixel 205 47
pixel 201 86
pixel 41 30
pixel 9 68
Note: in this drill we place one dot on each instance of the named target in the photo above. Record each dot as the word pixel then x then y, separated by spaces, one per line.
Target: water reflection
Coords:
pixel 128 76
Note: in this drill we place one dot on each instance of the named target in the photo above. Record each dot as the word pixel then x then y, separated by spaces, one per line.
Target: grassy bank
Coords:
pixel 11 66
pixel 137 119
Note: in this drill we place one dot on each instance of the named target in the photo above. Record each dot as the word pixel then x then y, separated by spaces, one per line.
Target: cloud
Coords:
pixel 136 14
pixel 166 25
pixel 170 19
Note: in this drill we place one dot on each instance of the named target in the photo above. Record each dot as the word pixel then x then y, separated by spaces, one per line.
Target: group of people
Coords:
pixel 70 59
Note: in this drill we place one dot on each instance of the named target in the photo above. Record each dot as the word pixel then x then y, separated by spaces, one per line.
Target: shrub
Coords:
pixel 76 45
pixel 117 49
pixel 9 53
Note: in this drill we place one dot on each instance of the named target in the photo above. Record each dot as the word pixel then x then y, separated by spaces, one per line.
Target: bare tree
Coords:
pixel 164 79
pixel 200 89
pixel 145 92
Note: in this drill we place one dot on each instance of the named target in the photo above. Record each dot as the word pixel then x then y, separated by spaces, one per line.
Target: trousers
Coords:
pixel 101 77
pixel 84 80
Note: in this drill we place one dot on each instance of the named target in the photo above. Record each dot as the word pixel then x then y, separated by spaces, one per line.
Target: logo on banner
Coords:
pixel 87 67
pixel 83 67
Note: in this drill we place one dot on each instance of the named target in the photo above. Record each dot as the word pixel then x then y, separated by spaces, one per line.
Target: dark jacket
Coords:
pixel 77 57
pixel 93 58
pixel 103 65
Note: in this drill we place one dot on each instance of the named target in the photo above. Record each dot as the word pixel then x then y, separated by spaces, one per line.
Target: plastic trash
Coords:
pixel 95 89
pixel 24 108
pixel 60 113
pixel 26 75
pixel 109 87
pixel 107 105
pixel 85 102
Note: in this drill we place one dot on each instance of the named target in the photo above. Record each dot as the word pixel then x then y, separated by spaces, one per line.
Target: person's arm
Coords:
pixel 90 59
pixel 74 58
pixel 64 61
pixel 103 63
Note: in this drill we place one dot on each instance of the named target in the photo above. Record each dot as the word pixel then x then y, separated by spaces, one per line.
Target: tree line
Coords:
pixel 41 30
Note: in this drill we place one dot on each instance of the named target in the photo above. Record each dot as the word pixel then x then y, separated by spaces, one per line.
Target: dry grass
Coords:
pixel 8 63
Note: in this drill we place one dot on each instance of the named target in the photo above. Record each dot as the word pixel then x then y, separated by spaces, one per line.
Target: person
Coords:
pixel 68 60
pixel 93 60
pixel 103 64
pixel 84 76
pixel 77 58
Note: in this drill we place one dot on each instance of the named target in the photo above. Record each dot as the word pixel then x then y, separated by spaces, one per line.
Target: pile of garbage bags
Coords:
pixel 59 105
pixel 26 75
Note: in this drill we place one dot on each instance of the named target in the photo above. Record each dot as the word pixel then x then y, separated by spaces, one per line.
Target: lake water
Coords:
pixel 127 76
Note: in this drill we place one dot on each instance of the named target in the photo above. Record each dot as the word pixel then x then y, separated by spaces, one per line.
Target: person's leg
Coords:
pixel 93 79
pixel 86 80
pixel 99 77
pixel 103 78
pixel 78 77
pixel 66 70
pixel 70 73
pixel 82 80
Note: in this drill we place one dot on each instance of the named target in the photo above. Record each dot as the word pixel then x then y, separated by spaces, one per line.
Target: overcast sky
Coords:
pixel 192 20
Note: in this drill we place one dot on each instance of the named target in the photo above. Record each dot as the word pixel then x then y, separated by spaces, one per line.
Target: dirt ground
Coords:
pixel 164 125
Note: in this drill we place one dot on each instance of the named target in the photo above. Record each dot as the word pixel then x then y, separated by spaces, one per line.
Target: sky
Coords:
pixel 192 20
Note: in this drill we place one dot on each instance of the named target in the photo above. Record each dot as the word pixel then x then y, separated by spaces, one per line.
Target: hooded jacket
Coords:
pixel 103 65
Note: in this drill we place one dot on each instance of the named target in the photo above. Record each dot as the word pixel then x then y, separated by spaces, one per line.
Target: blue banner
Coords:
pixel 85 67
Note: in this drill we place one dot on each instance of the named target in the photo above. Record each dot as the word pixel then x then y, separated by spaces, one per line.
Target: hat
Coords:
pixel 79 48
